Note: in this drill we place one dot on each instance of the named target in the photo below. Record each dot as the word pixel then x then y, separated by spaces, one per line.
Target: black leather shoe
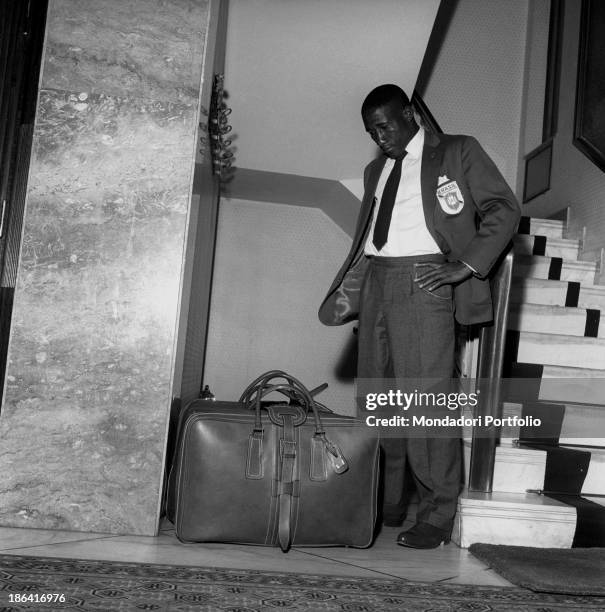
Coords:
pixel 423 535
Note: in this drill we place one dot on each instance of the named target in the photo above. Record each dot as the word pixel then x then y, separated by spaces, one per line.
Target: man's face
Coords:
pixel 391 127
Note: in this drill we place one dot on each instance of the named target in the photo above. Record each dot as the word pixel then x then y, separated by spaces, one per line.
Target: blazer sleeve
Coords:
pixel 496 206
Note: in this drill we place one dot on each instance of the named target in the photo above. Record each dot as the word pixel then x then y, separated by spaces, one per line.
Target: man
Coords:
pixel 435 217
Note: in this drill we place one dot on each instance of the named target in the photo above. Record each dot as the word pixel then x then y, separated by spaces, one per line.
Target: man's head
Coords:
pixel 389 119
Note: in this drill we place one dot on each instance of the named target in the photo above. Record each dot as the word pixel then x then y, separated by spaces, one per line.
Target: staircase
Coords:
pixel 555 356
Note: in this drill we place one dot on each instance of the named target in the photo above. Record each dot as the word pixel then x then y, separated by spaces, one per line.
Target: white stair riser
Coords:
pixel 579 422
pixel 595 479
pixel 561 350
pixel 538 267
pixel 560 372
pixel 572 386
pixel 585 425
pixel 531 521
pixel 568 249
pixel 551 319
pixel 515 469
pixel 512 530
pixel 546 227
pixel 542 291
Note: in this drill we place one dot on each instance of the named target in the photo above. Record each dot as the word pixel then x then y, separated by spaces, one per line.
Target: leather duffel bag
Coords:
pixel 287 473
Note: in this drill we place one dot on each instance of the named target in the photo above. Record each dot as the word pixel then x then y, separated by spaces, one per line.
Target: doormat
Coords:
pixel 573 571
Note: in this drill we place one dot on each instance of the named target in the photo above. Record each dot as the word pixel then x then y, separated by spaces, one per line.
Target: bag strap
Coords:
pixel 287 462
pixel 287 417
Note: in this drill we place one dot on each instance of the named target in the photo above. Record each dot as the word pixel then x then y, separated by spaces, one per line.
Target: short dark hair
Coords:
pixel 382 96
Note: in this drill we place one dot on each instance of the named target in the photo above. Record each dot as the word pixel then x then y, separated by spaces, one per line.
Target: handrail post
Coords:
pixel 489 382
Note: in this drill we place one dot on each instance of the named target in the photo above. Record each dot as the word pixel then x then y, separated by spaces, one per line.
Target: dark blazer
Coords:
pixel 476 232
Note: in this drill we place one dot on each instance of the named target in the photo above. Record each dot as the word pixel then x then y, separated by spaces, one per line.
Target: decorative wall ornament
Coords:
pixel 218 127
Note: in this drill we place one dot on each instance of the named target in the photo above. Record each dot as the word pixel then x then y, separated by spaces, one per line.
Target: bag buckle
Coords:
pixel 287 449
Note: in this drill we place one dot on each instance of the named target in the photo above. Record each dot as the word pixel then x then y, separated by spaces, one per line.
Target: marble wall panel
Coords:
pixel 88 388
pixel 142 48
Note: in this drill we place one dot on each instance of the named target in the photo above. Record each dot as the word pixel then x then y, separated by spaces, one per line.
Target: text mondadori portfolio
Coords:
pixel 480 421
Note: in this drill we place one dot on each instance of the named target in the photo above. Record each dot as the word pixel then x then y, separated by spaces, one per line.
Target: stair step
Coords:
pixel 543 245
pixel 520 468
pixel 516 469
pixel 556 331
pixel 557 293
pixel 596 500
pixel 517 519
pixel 556 349
pixel 547 372
pixel 541 227
pixel 579 424
pixel 561 384
pixel 557 320
pixel 539 266
pixel 595 478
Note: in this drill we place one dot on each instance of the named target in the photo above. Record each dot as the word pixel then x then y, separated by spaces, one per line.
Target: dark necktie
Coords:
pixel 385 212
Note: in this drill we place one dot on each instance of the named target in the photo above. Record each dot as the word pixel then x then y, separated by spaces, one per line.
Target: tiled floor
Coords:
pixel 384 559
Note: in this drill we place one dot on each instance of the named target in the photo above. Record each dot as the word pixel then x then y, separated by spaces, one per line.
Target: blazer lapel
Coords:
pixel 432 155
pixel 367 205
pixel 374 175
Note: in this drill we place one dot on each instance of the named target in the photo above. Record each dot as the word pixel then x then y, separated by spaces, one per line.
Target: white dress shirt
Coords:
pixel 408 234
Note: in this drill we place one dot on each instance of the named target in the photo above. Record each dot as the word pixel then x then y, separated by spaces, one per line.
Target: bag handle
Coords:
pixel 251 388
pixel 293 386
pixel 291 393
pixel 293 389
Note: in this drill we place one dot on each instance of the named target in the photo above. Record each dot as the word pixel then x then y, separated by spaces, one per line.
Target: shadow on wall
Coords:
pixel 273 266
pixel 346 367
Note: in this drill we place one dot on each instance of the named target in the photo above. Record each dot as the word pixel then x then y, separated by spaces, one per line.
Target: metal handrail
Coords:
pixel 490 364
